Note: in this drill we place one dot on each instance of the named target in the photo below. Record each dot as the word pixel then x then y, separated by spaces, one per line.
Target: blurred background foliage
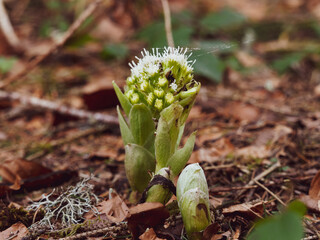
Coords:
pixel 214 32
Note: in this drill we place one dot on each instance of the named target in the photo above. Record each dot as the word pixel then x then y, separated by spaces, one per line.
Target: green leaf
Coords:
pixel 285 226
pixel 149 144
pixel 124 101
pixel 139 166
pixel 180 158
pixel 226 18
pixel 154 34
pixel 141 123
pixel 182 36
pixel 167 133
pixel 114 51
pixel 282 64
pixel 124 129
pixel 181 130
pixel 209 66
pixel 297 207
pixel 6 63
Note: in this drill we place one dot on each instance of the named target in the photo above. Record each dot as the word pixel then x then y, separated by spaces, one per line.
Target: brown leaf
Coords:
pixel 13 171
pixel 16 232
pixel 240 111
pixel 218 149
pixel 99 94
pixel 314 190
pixel 312 204
pixel 261 147
pixel 150 235
pixel 312 201
pixel 115 208
pixel 146 215
pixel 211 231
pixel 248 210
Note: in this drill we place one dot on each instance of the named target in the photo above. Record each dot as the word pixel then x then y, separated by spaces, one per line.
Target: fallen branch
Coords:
pixel 8 30
pixel 58 43
pixel 49 105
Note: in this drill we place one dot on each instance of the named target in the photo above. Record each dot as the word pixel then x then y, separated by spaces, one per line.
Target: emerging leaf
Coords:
pixel 141 124
pixel 179 159
pixel 124 129
pixel 139 163
pixel 124 101
pixel 167 134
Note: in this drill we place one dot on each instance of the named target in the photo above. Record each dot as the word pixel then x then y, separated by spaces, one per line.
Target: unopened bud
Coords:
pixel 193 200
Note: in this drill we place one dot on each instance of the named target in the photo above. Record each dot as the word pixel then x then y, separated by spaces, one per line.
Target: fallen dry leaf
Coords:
pixel 13 171
pixel 240 111
pixel 312 200
pixel 314 190
pixel 317 91
pixel 115 208
pixel 208 134
pixel 249 210
pixel 217 150
pixel 262 145
pixel 253 152
pixel 150 235
pixel 312 204
pixel 16 232
pixel 99 94
pixel 146 215
pixel 211 231
pixel 28 175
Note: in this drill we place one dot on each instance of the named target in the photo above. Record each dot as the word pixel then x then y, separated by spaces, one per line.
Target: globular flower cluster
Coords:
pixel 159 79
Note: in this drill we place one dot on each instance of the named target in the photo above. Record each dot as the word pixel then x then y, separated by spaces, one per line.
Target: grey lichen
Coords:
pixel 69 207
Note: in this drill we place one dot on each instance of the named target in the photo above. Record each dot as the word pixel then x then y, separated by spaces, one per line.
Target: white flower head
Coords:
pixel 158 73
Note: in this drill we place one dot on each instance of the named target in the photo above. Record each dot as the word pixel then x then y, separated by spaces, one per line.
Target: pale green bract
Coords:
pixel 159 79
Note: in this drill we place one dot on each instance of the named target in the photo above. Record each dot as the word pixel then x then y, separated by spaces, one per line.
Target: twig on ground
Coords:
pixel 49 105
pixel 8 30
pixel 58 43
pixel 265 173
pixel 219 167
pixel 269 191
pixel 260 176
pixel 120 229
pixel 167 22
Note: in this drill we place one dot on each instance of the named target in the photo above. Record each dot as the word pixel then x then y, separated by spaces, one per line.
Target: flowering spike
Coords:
pixel 160 73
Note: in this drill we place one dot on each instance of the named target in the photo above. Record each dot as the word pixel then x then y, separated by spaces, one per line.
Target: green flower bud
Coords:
pixel 159 79
pixel 193 200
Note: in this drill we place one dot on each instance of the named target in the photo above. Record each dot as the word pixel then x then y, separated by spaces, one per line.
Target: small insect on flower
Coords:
pixel 159 78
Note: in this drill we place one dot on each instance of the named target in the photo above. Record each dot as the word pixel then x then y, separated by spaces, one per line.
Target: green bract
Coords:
pixel 159 79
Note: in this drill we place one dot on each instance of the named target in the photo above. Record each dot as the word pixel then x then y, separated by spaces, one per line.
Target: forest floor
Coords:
pixel 258 141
